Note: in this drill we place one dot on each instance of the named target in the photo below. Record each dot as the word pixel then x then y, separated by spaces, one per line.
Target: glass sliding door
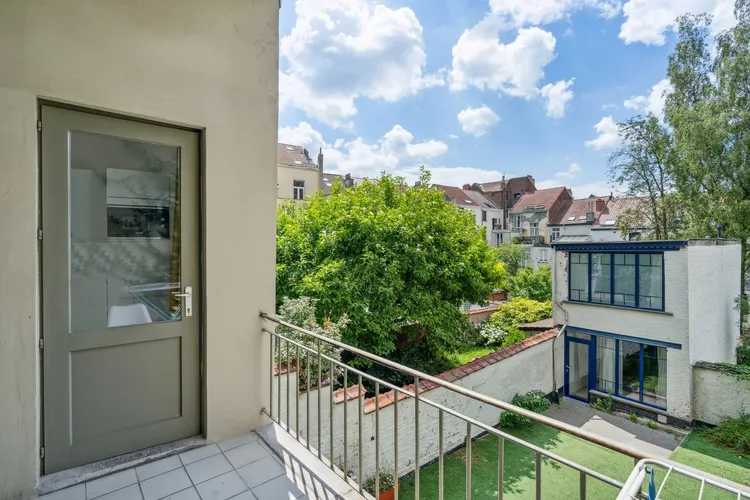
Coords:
pixel 577 363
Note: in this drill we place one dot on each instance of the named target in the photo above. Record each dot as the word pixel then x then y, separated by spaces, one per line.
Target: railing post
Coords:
pixel 270 399
pixel 288 389
pixel 296 396
pixel 416 438
pixel 538 477
pixel 320 419
pixel 377 439
pixel 307 405
pixel 468 460
pixel 346 441
pixel 500 466
pixel 331 376
pixel 441 470
pixel 359 427
pixel 582 486
pixel 395 445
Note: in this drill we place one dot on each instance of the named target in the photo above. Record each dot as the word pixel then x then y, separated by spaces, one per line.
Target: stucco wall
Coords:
pixel 718 396
pixel 525 371
pixel 211 66
pixel 286 177
pixel 714 273
pixel 669 326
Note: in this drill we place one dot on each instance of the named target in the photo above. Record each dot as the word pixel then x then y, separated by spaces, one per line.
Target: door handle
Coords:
pixel 187 300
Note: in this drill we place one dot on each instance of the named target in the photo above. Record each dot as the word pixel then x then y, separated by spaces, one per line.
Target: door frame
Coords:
pixel 591 360
pixel 201 252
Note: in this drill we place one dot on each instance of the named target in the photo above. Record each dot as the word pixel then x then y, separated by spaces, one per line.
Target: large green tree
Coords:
pixel 397 260
pixel 708 110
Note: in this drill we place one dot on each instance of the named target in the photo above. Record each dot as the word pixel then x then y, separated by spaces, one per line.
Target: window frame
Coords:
pixel 517 221
pixel 296 189
pixel 554 234
pixel 637 305
pixel 534 229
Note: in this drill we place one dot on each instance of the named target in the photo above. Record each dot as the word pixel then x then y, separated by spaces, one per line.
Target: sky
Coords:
pixel 475 89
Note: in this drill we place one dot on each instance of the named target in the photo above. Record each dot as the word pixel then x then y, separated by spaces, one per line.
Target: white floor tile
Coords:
pixel 188 494
pixel 222 487
pixel 260 471
pixel 248 495
pixel 199 454
pixel 247 453
pixel 132 492
pixel 208 468
pixel 77 492
pixel 165 484
pixel 104 485
pixel 280 488
pixel 234 442
pixel 159 467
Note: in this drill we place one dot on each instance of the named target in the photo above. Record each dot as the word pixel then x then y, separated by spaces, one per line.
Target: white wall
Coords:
pixel 212 66
pixel 714 274
pixel 718 396
pixel 286 177
pixel 669 326
pixel 606 235
pixel 525 371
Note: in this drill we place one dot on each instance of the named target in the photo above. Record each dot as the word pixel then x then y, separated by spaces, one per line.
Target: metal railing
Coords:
pixel 280 346
pixel 529 240
pixel 634 485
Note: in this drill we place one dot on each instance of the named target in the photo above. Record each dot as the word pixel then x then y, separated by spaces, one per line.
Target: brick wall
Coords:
pixel 517 369
pixel 717 395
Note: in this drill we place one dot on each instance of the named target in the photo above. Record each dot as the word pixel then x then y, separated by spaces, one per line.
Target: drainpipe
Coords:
pixel 562 330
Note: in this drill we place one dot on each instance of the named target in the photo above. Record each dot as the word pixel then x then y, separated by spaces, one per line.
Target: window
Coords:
pixel 484 216
pixel 555 235
pixel 495 223
pixel 542 255
pixel 621 279
pixel 534 229
pixel 517 195
pixel 299 190
pixel 579 276
pixel 517 221
pixel 605 364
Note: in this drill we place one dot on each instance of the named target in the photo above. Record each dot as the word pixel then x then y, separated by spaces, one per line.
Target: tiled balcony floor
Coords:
pixel 242 468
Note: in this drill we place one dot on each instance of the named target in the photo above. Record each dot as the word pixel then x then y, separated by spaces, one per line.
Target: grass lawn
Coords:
pixel 697 451
pixel 558 481
pixel 466 354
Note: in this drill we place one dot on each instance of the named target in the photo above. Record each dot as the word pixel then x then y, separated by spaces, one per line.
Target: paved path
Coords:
pixel 616 427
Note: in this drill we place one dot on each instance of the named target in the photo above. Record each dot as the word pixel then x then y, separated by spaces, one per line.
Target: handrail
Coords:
pixel 536 417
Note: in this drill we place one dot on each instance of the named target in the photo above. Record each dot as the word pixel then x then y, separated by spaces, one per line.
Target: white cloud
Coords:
pixel 481 60
pixel 646 21
pixel 572 171
pixel 557 96
pixel 361 158
pixel 452 176
pixel 341 50
pixel 653 102
pixel 525 12
pixel 453 136
pixel 605 107
pixel 595 187
pixel 477 121
pixel 608 134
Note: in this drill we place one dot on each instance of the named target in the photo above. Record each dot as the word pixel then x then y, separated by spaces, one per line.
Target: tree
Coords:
pixel 397 260
pixel 709 111
pixel 643 164
pixel 531 284
pixel 512 255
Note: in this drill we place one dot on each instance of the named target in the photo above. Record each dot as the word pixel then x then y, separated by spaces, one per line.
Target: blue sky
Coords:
pixel 474 89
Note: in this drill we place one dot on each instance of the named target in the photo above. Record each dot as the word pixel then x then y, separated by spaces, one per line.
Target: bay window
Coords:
pixel 622 279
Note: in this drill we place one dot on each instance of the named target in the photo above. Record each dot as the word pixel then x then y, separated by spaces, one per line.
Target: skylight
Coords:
pixel 468 202
pixel 610 222
pixel 290 148
pixel 582 217
pixel 298 162
pixel 572 218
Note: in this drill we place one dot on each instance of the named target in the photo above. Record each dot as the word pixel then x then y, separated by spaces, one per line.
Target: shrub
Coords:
pixel 519 311
pixel 386 483
pixel 732 433
pixel 513 337
pixel 633 418
pixel 491 334
pixel 743 353
pixel 603 404
pixel 534 401
pixel 531 284
pixel 511 255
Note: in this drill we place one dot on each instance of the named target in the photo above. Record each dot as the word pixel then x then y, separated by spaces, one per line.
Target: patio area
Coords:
pixel 263 465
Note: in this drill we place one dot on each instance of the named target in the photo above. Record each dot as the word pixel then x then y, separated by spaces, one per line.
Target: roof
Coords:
pixel 467 197
pixel 542 324
pixel 617 207
pixel 290 155
pixel 495 186
pixel 541 199
pixel 328 181
pixel 574 212
pixel 573 239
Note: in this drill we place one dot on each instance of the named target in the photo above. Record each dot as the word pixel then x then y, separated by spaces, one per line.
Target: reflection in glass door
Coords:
pixel 577 368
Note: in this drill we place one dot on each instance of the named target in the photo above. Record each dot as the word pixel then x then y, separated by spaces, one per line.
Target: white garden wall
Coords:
pixel 518 369
pixel 718 395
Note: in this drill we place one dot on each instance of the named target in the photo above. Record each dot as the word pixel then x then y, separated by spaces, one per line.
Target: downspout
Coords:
pixel 562 330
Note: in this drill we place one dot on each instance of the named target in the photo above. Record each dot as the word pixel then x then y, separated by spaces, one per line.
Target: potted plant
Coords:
pixel 386 486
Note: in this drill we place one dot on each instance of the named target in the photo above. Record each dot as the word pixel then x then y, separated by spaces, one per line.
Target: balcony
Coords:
pixel 529 240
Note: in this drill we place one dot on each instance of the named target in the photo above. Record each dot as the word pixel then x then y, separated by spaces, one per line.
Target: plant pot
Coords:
pixel 388 495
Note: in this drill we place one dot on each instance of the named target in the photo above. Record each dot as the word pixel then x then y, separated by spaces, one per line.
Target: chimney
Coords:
pixel 348 182
pixel 320 169
pixel 590 212
pixel 417 183
pixel 467 186
pixel 600 204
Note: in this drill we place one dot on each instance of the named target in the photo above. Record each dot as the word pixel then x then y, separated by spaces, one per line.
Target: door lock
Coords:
pixel 187 300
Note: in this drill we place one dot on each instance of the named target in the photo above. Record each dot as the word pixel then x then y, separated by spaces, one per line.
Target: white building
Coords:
pixel 638 315
pixel 529 221
pixel 297 176
pixel 486 213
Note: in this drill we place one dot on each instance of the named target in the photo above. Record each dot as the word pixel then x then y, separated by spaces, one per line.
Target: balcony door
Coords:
pixel 578 365
pixel 121 291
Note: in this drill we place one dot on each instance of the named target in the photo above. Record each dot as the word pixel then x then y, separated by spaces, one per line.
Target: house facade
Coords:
pixel 637 316
pixel 486 214
pixel 297 176
pixel 575 220
pixel 135 144
pixel 506 192
pixel 530 217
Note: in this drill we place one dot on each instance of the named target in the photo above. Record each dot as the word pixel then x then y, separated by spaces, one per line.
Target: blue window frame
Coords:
pixel 633 280
pixel 625 368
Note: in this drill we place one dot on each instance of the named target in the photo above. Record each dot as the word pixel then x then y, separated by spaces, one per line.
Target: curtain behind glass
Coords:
pixel 605 364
